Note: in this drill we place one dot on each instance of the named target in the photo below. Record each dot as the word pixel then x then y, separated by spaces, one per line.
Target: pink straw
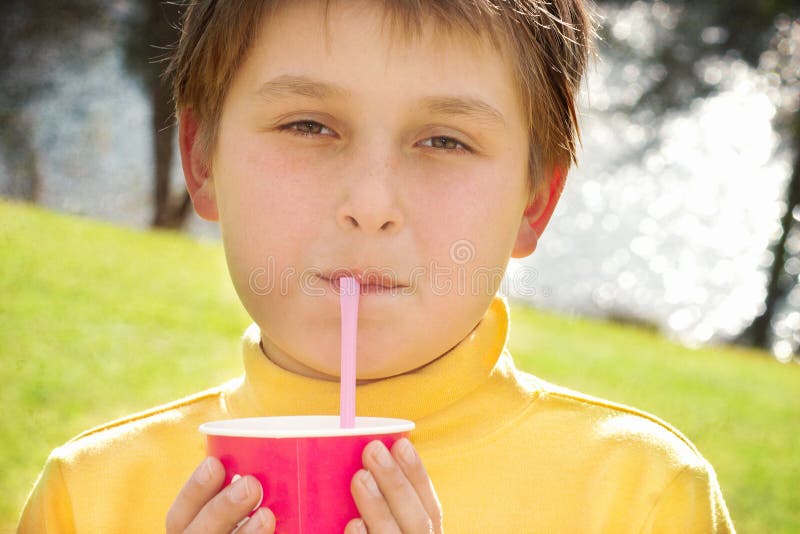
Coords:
pixel 348 301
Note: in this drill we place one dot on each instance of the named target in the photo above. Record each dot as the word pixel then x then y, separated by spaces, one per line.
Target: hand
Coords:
pixel 202 507
pixel 394 493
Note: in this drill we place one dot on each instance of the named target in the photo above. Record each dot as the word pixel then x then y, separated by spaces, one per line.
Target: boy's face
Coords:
pixel 373 187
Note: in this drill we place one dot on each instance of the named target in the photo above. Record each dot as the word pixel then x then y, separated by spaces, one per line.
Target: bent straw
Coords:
pixel 348 302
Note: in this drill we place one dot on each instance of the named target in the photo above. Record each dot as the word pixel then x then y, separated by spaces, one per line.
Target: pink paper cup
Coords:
pixel 305 463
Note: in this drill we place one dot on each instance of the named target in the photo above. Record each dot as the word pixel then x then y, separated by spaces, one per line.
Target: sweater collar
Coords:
pixel 267 389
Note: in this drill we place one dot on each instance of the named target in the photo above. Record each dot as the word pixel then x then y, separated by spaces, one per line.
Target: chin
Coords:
pixel 376 372
pixel 367 367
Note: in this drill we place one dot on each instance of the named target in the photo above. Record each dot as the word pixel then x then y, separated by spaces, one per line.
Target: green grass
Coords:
pixel 98 321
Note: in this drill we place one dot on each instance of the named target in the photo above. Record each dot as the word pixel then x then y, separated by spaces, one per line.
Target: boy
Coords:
pixel 417 145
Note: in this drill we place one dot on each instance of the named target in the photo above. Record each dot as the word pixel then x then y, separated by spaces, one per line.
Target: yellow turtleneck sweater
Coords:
pixel 506 451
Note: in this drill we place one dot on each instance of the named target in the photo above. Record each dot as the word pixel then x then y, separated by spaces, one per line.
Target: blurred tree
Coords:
pixel 692 33
pixel 152 30
pixel 39 35
pixel 36 37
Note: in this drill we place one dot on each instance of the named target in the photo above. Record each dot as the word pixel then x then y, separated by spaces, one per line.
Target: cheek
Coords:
pixel 266 210
pixel 259 178
pixel 470 215
pixel 271 190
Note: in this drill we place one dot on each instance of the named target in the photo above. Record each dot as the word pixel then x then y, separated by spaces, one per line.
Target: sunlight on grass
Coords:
pixel 97 322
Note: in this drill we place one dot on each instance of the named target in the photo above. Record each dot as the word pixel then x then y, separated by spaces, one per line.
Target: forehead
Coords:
pixel 360 49
pixel 405 22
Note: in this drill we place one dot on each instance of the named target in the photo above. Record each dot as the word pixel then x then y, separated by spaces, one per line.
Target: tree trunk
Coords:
pixel 757 334
pixel 167 213
pixel 21 159
pixel 159 32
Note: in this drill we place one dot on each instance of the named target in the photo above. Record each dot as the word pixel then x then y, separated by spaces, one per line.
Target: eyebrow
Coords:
pixel 286 86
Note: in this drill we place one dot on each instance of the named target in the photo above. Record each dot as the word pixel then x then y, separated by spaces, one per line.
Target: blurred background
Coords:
pixel 668 278
pixel 682 215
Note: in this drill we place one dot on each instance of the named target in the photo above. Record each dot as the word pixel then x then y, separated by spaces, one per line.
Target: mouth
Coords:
pixel 371 283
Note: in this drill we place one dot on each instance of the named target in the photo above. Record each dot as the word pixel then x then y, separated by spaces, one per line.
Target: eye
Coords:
pixel 448 144
pixel 309 128
pixel 305 128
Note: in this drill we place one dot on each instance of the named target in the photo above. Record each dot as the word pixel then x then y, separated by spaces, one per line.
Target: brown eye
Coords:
pixel 448 144
pixel 309 127
pixel 444 142
pixel 305 128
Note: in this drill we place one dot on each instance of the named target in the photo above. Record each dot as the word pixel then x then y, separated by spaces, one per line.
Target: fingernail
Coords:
pixel 203 473
pixel 369 482
pixel 382 455
pixel 407 451
pixel 260 518
pixel 360 527
pixel 261 495
pixel 240 490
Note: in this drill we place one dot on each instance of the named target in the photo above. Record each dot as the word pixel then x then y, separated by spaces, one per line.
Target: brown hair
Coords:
pixel 551 40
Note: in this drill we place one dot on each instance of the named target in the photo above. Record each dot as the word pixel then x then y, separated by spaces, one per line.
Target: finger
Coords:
pixel 201 487
pixel 228 508
pixel 411 464
pixel 261 522
pixel 405 504
pixel 371 505
pixel 356 526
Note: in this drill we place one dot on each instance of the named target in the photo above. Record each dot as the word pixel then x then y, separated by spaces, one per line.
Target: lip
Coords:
pixel 371 283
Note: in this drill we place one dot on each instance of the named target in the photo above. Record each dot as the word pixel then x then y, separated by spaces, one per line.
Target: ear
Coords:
pixel 195 169
pixel 537 215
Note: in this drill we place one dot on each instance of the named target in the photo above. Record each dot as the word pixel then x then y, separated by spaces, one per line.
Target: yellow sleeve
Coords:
pixel 48 509
pixel 691 503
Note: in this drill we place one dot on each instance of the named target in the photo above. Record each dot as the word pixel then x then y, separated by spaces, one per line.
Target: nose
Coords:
pixel 371 198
